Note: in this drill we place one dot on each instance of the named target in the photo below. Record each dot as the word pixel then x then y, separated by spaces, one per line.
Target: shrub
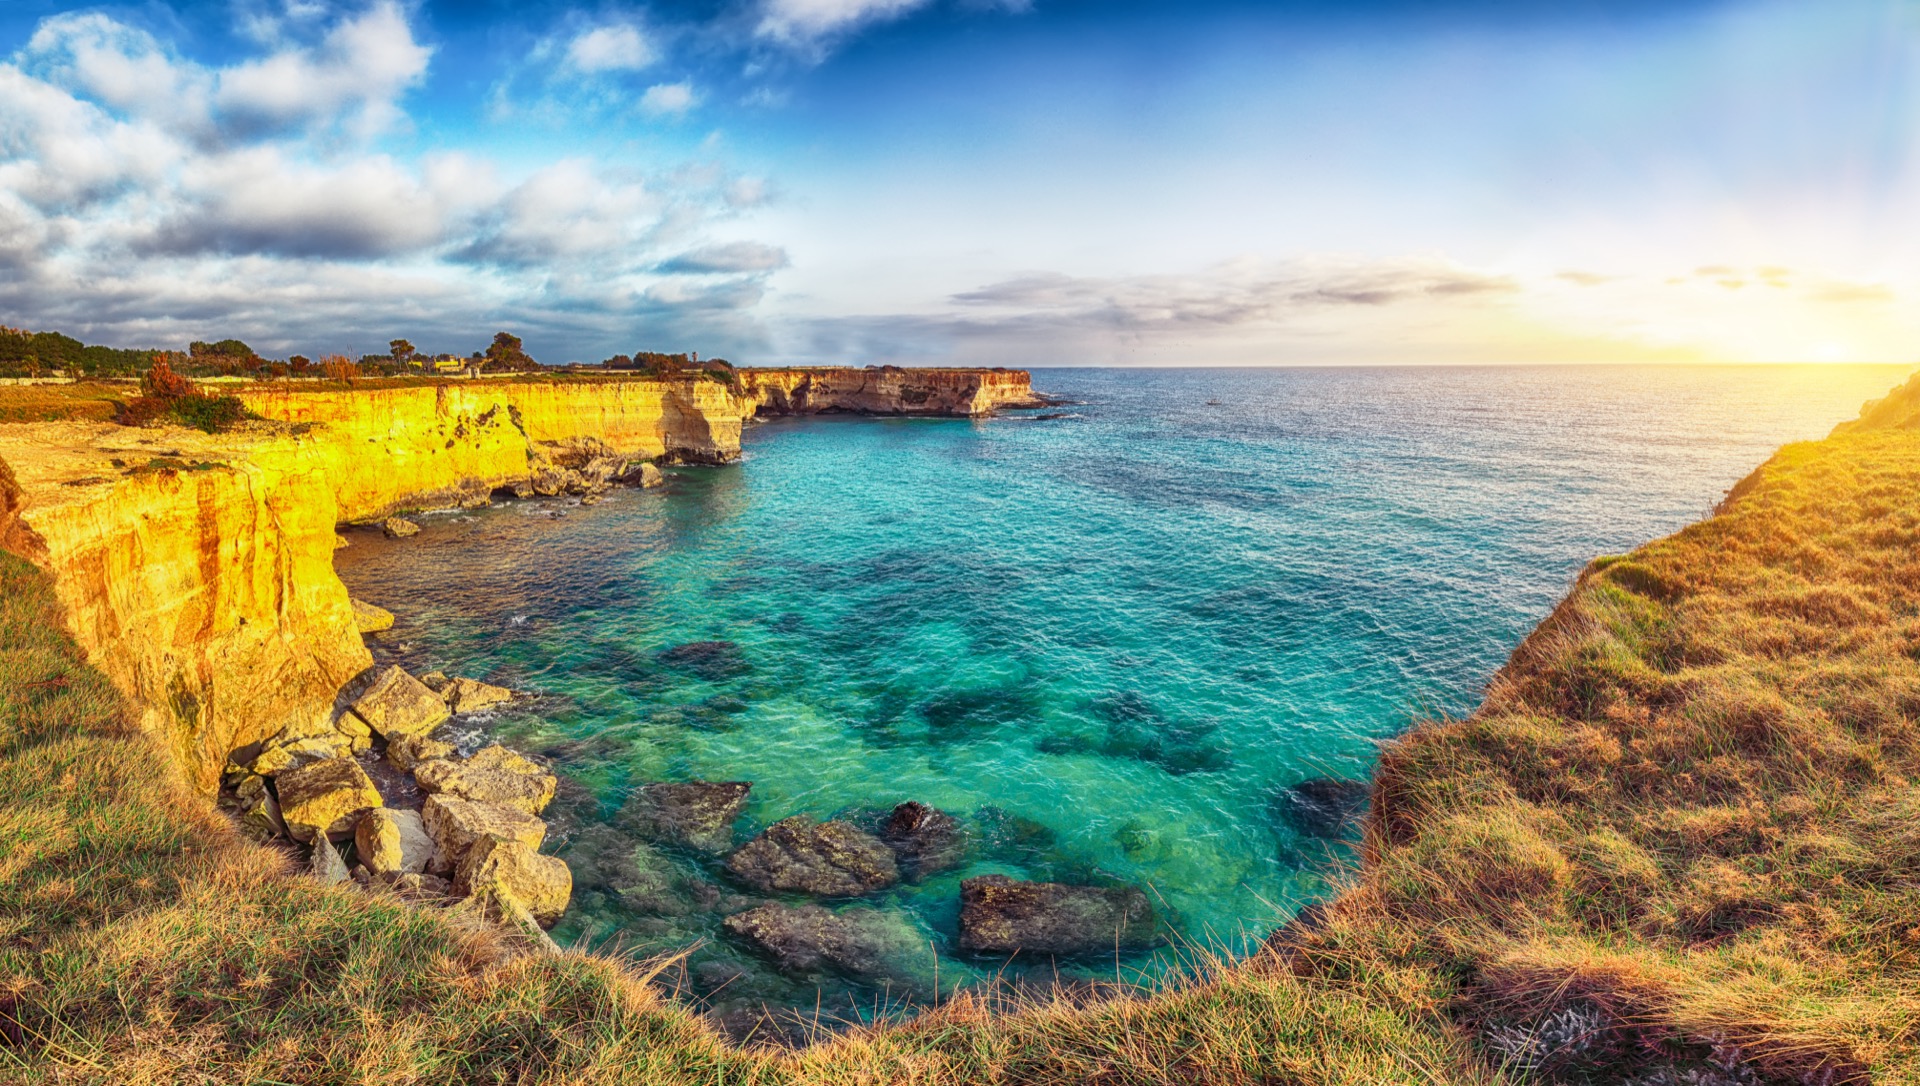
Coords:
pixel 162 383
pixel 210 413
pixel 140 411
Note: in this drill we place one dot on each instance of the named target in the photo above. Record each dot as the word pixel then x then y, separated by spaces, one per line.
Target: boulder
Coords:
pixel 409 751
pixel 455 824
pixel 393 842
pixel 873 945
pixel 399 528
pixel 471 695
pixel 697 814
pixel 549 481
pixel 370 619
pixel 279 755
pixel 340 541
pixel 498 871
pixel 1323 806
pixel 831 859
pixel 421 887
pixel 325 798
pixel 926 839
pixel 326 864
pixel 396 703
pixel 260 816
pixel 999 915
pixel 436 681
pixel 647 475
pixel 493 775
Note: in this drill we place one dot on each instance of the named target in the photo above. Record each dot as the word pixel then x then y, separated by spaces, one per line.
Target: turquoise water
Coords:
pixel 1121 631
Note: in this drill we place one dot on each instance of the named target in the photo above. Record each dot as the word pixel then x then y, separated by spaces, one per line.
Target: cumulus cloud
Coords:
pixel 619 47
pixel 668 99
pixel 808 22
pixel 148 199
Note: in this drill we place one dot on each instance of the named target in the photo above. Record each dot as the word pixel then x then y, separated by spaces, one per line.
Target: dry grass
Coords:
pixel 86 400
pixel 1680 841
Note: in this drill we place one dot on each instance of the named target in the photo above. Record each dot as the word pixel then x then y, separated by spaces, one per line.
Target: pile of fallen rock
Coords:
pixel 476 833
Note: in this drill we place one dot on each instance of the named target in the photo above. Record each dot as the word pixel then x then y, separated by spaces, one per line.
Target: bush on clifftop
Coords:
pixel 166 394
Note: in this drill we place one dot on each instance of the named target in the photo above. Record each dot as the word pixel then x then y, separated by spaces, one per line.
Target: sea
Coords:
pixel 1112 636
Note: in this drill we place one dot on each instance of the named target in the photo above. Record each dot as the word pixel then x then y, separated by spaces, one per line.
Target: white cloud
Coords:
pixel 806 22
pixel 146 200
pixel 669 99
pixel 614 48
pixel 353 77
pixel 732 257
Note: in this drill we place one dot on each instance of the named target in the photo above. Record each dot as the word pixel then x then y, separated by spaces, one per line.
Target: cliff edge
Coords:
pixel 196 570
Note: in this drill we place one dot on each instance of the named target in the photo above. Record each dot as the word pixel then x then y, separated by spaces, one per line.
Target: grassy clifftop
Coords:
pixel 1679 842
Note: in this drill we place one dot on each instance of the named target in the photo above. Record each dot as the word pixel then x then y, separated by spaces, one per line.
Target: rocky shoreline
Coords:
pixel 384 796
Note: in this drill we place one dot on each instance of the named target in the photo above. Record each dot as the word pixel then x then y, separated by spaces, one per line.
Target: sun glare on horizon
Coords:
pixel 934 181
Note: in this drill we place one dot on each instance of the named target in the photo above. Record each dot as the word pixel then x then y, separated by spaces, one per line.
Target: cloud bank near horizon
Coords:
pixel 828 181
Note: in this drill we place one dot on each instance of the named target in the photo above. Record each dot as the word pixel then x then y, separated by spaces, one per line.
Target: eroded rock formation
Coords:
pixel 196 570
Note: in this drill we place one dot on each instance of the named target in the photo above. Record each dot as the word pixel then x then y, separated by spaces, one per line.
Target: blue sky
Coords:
pixel 1017 182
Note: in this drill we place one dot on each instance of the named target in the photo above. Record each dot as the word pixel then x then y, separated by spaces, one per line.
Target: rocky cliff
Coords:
pixel 886 390
pixel 390 449
pixel 196 570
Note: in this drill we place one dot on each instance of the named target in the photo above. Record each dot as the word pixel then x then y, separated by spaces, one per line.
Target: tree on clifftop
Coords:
pixel 505 355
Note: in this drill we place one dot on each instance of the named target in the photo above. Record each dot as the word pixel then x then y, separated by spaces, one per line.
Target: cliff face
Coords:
pixel 197 571
pixel 390 449
pixel 886 390
pixel 207 595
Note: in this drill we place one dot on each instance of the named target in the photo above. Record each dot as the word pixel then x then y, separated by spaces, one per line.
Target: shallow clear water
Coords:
pixel 1126 629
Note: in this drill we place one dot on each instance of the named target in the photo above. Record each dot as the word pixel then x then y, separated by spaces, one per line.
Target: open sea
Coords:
pixel 1109 640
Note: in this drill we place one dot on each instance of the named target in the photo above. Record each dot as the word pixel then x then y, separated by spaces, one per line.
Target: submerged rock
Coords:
pixel 393 842
pixel 1011 837
pixel 709 660
pixel 873 945
pixel 696 814
pixel 396 703
pixel 493 775
pixel 1323 806
pixel 399 527
pixel 830 859
pixel 325 798
pixel 926 839
pixel 368 618
pixel 999 915
pixel 640 877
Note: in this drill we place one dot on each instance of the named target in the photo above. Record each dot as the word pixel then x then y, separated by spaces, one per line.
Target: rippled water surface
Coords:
pixel 1108 639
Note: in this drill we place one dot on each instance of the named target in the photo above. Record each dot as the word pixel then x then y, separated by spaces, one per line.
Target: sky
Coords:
pixel 979 182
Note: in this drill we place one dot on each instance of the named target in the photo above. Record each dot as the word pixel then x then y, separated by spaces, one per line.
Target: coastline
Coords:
pixel 1534 861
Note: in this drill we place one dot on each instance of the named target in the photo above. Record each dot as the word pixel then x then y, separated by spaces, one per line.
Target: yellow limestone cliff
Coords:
pixel 196 570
